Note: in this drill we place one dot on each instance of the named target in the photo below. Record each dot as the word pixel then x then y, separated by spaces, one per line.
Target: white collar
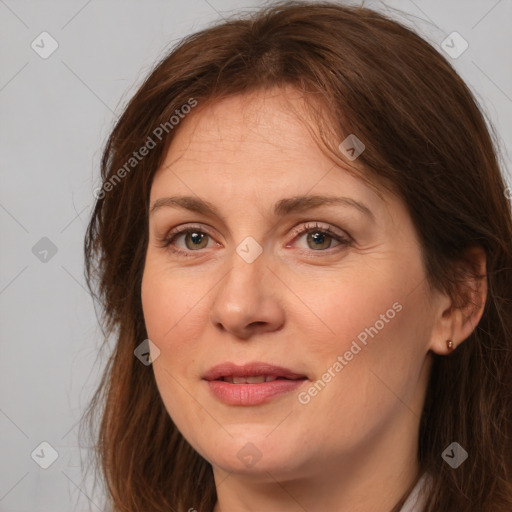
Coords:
pixel 416 499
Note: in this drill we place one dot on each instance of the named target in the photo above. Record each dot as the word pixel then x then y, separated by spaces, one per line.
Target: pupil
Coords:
pixel 196 238
pixel 319 238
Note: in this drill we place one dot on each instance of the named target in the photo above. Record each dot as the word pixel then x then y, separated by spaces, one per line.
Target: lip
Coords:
pixel 249 369
pixel 251 394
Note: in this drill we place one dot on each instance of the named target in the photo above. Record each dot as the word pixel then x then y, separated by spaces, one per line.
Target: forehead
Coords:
pixel 274 121
pixel 259 139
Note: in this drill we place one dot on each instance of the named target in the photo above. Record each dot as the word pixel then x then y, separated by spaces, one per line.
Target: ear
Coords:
pixel 456 319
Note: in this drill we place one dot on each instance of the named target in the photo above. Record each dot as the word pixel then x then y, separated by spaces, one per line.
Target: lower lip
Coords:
pixel 251 394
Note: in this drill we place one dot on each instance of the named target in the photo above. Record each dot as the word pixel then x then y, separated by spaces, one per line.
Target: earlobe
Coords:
pixel 446 335
pixel 458 321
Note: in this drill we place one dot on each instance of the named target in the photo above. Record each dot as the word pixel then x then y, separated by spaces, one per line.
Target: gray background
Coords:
pixel 55 116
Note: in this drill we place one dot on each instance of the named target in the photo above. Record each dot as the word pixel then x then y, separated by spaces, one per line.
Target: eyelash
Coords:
pixel 166 242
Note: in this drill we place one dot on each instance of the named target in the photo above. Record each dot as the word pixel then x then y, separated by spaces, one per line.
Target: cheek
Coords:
pixel 370 344
pixel 352 305
pixel 175 311
pixel 166 307
pixel 167 300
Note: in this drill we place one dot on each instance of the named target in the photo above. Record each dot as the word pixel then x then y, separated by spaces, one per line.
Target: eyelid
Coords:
pixel 325 227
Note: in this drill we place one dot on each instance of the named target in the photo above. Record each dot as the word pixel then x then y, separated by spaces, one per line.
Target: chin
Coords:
pixel 253 455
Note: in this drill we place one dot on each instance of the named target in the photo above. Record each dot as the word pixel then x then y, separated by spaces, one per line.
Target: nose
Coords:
pixel 247 300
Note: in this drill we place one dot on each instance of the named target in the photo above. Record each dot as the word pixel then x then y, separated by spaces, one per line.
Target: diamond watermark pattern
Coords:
pixel 44 45
pixel 44 250
pixel 352 147
pixel 454 45
pixel 147 352
pixel 249 455
pixel 249 249
pixel 44 455
pixel 454 455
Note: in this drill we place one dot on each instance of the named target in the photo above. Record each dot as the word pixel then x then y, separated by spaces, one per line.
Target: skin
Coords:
pixel 352 447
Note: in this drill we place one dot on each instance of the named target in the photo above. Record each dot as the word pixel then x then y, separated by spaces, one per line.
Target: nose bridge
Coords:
pixel 245 298
pixel 243 286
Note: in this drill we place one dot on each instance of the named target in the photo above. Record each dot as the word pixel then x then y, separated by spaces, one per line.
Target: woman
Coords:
pixel 302 245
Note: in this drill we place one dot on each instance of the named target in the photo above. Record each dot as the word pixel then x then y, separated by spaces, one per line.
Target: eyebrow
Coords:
pixel 282 208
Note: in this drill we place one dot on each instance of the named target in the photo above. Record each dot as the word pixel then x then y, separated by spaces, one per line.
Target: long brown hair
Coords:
pixel 425 137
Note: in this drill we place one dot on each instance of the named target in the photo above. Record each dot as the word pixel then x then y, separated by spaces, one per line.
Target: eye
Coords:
pixel 319 238
pixel 194 238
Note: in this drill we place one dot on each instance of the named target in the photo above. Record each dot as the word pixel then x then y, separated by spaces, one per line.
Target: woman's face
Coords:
pixel 328 300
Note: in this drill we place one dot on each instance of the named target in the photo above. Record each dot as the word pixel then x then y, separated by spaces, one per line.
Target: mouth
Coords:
pixel 251 384
pixel 251 373
pixel 252 379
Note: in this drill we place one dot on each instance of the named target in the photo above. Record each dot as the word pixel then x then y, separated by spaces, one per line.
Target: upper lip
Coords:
pixel 249 370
